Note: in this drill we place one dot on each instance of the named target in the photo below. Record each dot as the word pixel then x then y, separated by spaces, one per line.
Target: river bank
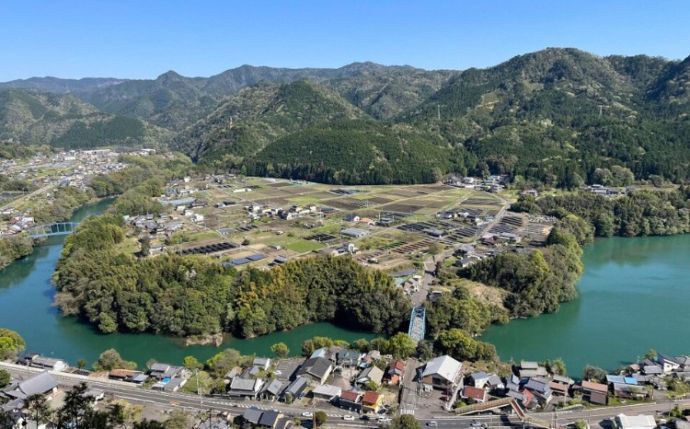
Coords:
pixel 26 306
pixel 17 246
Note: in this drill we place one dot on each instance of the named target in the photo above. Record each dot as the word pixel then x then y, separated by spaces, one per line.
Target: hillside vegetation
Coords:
pixel 37 118
pixel 554 117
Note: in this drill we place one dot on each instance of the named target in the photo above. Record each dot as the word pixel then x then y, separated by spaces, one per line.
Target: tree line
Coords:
pixel 637 213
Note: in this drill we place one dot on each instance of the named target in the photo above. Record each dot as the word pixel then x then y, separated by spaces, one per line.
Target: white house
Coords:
pixel 442 372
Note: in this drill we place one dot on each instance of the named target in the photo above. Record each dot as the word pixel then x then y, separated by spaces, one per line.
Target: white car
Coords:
pixel 307 414
pixel 348 417
pixel 432 424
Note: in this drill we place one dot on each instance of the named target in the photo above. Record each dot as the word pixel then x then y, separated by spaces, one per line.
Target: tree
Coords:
pixel 178 420
pixel 556 366
pixel 191 362
pixel 76 410
pixel 593 373
pixel 460 345
pixel 38 409
pixel 361 344
pixel 81 363
pixel 372 385
pixel 281 350
pixel 224 361
pixel 424 350
pixel 315 343
pixel 401 346
pixel 405 421
pixel 581 424
pixel 4 378
pixel 111 359
pixel 11 344
pixel 320 418
pixel 651 354
pixel 7 420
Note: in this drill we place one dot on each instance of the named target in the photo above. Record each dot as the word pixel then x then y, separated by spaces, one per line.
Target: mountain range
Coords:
pixel 553 116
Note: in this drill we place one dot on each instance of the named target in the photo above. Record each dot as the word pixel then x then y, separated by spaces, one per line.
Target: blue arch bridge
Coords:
pixel 52 229
pixel 417 328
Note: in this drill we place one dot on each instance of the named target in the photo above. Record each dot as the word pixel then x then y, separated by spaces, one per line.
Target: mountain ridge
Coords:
pixel 552 116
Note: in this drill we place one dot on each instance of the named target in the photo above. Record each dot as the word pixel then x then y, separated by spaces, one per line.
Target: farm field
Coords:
pixel 269 221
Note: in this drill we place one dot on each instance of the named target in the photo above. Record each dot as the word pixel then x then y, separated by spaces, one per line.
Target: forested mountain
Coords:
pixel 259 115
pixel 356 152
pixel 174 101
pixel 552 116
pixel 29 117
pixel 557 114
pixel 61 86
pixel 384 92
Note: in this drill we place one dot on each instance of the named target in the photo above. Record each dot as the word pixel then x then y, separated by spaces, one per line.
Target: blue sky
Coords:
pixel 144 38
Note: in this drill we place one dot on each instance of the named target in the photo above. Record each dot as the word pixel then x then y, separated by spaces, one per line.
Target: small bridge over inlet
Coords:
pixel 52 229
pixel 417 328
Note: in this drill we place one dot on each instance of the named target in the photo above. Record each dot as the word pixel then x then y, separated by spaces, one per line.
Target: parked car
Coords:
pixel 307 414
pixel 432 424
pixel 348 417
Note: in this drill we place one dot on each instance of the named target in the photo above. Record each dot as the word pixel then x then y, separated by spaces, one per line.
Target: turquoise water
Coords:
pixel 26 306
pixel 634 295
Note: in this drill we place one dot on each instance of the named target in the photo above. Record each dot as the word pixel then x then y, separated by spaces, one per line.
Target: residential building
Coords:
pixel 370 374
pixel 128 375
pixel 634 422
pixel 371 401
pixel 668 363
pixel 354 232
pixel 442 372
pixel 474 394
pixel 348 358
pixel 479 379
pixel 40 384
pixel 529 369
pixel 245 387
pixel 595 393
pixel 327 392
pixel 38 361
pixel 317 369
pixel 296 389
pixel 396 370
pixel 351 400
pixel 273 390
pixel 540 388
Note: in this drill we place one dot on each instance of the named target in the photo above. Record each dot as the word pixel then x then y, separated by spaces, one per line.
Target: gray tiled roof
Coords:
pixel 38 384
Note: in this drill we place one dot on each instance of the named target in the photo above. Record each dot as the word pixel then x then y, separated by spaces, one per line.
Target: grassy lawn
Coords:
pixel 304 200
pixel 303 246
pixel 203 235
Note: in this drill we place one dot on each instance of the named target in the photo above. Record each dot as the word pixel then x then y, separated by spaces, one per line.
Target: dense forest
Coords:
pixel 196 295
pixel 12 248
pixel 353 152
pixel 13 150
pixel 639 212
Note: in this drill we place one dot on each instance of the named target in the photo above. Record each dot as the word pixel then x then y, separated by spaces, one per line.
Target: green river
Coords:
pixel 26 306
pixel 634 295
